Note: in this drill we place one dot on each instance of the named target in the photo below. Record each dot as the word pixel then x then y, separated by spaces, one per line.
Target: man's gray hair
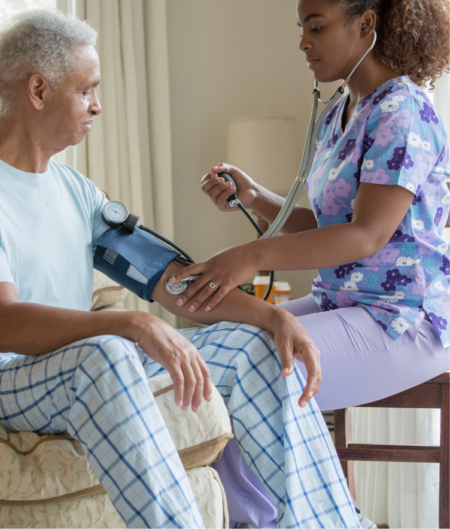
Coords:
pixel 40 41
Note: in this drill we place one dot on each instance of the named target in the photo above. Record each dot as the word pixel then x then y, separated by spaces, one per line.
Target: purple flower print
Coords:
pixel 399 236
pixel 399 158
pixel 407 161
pixel 326 303
pixel 420 286
pixel 383 136
pixel 332 141
pixel 440 324
pixel 341 188
pixel 393 275
pixel 349 217
pixel 359 163
pixel 403 281
pixel 331 115
pixel 340 273
pixel 329 207
pixel 350 267
pixel 403 119
pixel 346 270
pixel 383 325
pixel 438 217
pixel 389 254
pixel 417 199
pixel 378 177
pixel 427 240
pixel 367 99
pixel 316 208
pixel 388 286
pixel 428 114
pixel 395 278
pixel 348 149
pixel 445 268
pixel 368 142
pixel 382 95
pixel 442 156
pixel 421 94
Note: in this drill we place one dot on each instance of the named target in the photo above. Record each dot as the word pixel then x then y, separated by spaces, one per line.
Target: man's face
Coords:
pixel 69 112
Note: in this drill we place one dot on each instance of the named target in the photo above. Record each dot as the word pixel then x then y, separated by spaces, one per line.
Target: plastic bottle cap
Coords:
pixel 261 280
pixel 282 286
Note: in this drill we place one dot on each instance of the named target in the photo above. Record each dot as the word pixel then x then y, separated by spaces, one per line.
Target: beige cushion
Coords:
pixel 46 468
pixel 98 511
pixel 106 292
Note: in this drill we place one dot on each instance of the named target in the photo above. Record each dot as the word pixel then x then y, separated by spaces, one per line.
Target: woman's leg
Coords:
pixel 97 391
pixel 361 363
pixel 288 447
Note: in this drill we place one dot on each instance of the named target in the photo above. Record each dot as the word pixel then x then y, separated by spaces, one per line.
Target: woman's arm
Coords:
pixel 255 197
pixel 378 211
pixel 290 337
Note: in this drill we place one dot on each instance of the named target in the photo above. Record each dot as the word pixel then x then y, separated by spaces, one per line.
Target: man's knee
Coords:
pixel 107 351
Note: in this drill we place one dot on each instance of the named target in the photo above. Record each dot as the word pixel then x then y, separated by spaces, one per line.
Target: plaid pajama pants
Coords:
pixel 96 390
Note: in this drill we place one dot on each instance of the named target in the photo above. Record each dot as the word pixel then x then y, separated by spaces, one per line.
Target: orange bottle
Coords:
pixel 281 292
pixel 261 284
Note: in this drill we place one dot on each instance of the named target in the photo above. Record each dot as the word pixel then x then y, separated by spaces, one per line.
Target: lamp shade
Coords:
pixel 267 148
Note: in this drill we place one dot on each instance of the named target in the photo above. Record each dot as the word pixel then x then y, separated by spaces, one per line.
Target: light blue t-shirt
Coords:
pixel 47 224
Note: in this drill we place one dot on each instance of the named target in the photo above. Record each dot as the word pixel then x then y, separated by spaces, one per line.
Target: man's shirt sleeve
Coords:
pixel 5 271
pixel 98 226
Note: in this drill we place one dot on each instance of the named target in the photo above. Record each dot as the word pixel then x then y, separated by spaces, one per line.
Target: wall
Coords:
pixel 228 58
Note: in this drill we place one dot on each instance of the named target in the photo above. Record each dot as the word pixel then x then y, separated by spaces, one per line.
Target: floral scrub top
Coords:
pixel 395 137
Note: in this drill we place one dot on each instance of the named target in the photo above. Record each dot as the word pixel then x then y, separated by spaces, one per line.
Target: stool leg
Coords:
pixel 342 429
pixel 444 467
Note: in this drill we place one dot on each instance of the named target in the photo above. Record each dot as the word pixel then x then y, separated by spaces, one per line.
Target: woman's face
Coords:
pixel 332 46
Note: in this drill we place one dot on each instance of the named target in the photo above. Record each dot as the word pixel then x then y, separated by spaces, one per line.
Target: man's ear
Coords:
pixel 38 90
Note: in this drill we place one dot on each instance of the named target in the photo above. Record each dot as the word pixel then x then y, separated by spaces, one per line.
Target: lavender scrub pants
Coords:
pixel 360 363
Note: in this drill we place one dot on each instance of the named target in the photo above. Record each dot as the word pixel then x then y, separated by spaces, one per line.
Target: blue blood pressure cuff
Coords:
pixel 136 260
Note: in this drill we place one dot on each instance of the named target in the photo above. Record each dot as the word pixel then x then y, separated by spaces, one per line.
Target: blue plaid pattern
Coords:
pixel 96 390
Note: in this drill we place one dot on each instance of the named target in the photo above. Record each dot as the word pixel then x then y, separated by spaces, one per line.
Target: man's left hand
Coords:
pixel 292 340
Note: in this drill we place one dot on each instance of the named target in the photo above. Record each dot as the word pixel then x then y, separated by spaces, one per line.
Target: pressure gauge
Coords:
pixel 115 214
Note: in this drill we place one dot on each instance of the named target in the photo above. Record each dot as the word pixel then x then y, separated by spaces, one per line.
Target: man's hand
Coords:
pixel 190 375
pixel 292 340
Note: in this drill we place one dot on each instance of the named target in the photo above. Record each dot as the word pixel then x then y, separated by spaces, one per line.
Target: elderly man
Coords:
pixel 86 373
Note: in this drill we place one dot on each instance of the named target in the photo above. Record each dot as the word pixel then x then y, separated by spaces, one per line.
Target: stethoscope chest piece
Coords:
pixel 176 289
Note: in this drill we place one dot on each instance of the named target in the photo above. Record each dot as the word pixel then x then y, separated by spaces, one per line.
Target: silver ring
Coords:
pixel 213 286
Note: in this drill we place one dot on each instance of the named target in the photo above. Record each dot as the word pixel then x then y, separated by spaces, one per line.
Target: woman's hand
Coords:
pixel 187 369
pixel 218 190
pixel 292 340
pixel 219 274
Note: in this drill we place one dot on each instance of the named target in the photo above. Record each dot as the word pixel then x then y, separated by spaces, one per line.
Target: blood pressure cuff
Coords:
pixel 135 260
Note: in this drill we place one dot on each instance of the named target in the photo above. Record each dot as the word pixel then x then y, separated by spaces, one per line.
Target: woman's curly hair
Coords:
pixel 413 35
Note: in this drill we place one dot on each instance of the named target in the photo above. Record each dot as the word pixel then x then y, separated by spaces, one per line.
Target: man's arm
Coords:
pixel 34 329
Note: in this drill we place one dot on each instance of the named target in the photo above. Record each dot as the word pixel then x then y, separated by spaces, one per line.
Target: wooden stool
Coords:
pixel 431 394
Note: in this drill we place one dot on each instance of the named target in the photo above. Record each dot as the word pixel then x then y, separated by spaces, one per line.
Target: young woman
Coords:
pixel 379 310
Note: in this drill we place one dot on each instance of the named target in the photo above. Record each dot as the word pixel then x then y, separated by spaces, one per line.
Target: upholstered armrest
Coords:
pixel 49 467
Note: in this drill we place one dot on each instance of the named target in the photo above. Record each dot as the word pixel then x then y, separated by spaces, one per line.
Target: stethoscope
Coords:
pixel 116 214
pixel 307 159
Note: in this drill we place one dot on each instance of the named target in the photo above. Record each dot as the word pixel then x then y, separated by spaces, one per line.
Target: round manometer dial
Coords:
pixel 115 213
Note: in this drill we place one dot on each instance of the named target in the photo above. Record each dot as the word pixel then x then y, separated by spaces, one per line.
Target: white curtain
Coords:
pixel 128 152
pixel 401 495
